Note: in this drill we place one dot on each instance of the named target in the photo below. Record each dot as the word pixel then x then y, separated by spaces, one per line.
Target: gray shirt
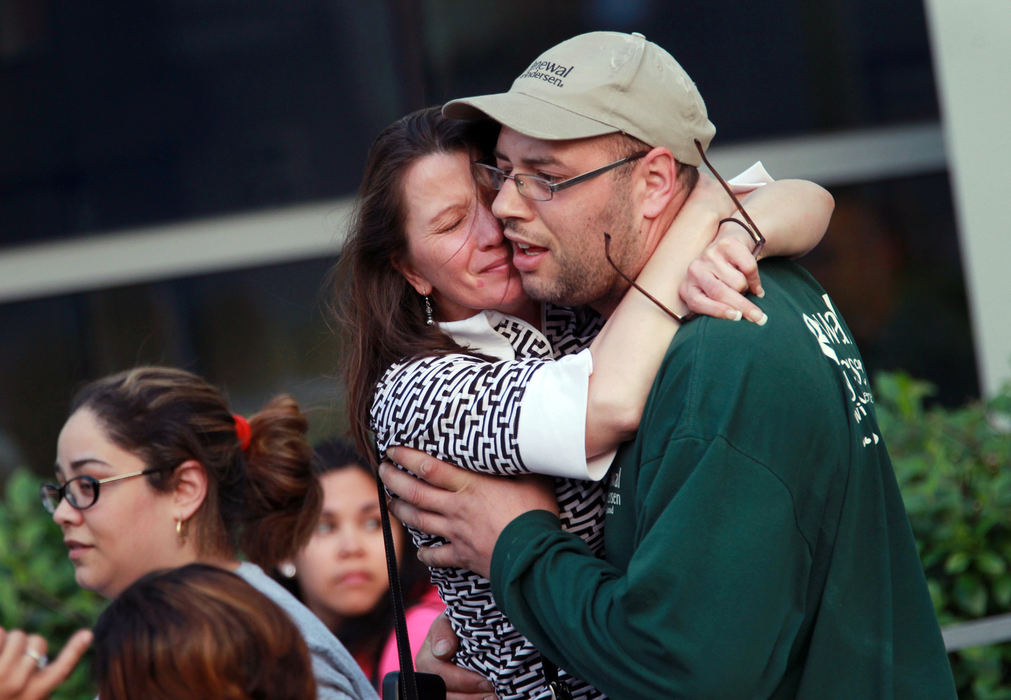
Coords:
pixel 338 676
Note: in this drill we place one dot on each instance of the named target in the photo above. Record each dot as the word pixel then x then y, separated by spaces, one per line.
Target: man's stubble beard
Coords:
pixel 584 277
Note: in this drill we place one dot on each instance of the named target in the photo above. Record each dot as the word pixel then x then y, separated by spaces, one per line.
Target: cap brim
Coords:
pixel 528 115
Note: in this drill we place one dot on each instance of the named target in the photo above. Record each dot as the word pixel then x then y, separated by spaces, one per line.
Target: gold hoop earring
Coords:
pixel 179 530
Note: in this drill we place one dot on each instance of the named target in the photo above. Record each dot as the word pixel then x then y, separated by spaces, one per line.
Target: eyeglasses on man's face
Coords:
pixel 538 188
pixel 81 492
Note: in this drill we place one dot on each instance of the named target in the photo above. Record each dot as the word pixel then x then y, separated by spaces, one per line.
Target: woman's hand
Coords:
pixel 793 215
pixel 24 671
pixel 717 279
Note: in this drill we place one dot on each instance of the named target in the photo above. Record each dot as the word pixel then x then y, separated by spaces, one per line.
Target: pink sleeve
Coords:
pixel 419 618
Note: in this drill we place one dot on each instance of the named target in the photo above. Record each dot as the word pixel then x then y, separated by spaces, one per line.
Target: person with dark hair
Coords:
pixel 199 631
pixel 756 544
pixel 445 352
pixel 155 471
pixel 341 574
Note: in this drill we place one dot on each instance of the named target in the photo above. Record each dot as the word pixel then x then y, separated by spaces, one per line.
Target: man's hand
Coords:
pixel 469 510
pixel 24 673
pixel 436 656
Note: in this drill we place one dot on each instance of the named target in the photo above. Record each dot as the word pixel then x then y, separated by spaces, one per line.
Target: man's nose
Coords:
pixel 509 203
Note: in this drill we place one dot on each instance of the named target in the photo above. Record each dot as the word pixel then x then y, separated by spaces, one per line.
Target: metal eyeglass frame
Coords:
pixel 494 178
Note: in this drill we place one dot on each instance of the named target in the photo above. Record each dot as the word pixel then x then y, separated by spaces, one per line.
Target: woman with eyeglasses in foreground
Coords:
pixel 446 353
pixel 154 471
pixel 199 631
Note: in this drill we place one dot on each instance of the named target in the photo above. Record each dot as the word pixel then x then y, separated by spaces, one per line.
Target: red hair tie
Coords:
pixel 242 431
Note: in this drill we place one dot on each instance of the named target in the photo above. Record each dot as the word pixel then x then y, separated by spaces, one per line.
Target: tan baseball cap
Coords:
pixel 599 83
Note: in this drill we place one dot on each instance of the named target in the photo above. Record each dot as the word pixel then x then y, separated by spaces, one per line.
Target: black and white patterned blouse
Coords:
pixel 525 413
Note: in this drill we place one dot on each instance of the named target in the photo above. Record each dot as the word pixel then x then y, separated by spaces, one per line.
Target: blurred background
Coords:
pixel 175 175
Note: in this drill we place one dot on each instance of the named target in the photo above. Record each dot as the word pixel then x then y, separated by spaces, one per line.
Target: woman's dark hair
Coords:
pixel 199 631
pixel 380 317
pixel 365 635
pixel 263 501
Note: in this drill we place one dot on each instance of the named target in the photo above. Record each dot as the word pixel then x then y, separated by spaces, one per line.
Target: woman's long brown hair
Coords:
pixel 379 316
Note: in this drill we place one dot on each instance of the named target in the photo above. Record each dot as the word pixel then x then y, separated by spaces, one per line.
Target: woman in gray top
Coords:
pixel 154 471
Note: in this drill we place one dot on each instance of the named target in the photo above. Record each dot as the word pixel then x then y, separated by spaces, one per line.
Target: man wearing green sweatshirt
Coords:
pixel 756 541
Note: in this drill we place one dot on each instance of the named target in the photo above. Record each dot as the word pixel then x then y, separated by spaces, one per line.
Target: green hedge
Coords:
pixel 37 588
pixel 954 469
pixel 953 465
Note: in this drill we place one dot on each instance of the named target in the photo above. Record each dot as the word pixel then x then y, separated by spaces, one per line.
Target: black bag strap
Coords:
pixel 559 689
pixel 408 681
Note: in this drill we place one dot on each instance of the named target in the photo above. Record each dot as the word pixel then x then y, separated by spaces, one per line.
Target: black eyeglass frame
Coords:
pixel 53 494
pixel 489 175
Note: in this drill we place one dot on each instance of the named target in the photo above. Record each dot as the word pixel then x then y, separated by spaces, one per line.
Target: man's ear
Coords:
pixel 421 285
pixel 659 180
pixel 190 488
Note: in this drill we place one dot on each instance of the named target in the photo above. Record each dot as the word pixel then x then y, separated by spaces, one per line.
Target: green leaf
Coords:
pixel 37 588
pixel 969 594
pixel 1002 591
pixel 957 563
pixel 990 563
pixel 937 595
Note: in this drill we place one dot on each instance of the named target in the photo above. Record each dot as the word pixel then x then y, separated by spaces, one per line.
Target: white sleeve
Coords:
pixel 459 408
pixel 552 421
pixel 751 179
pixel 507 417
